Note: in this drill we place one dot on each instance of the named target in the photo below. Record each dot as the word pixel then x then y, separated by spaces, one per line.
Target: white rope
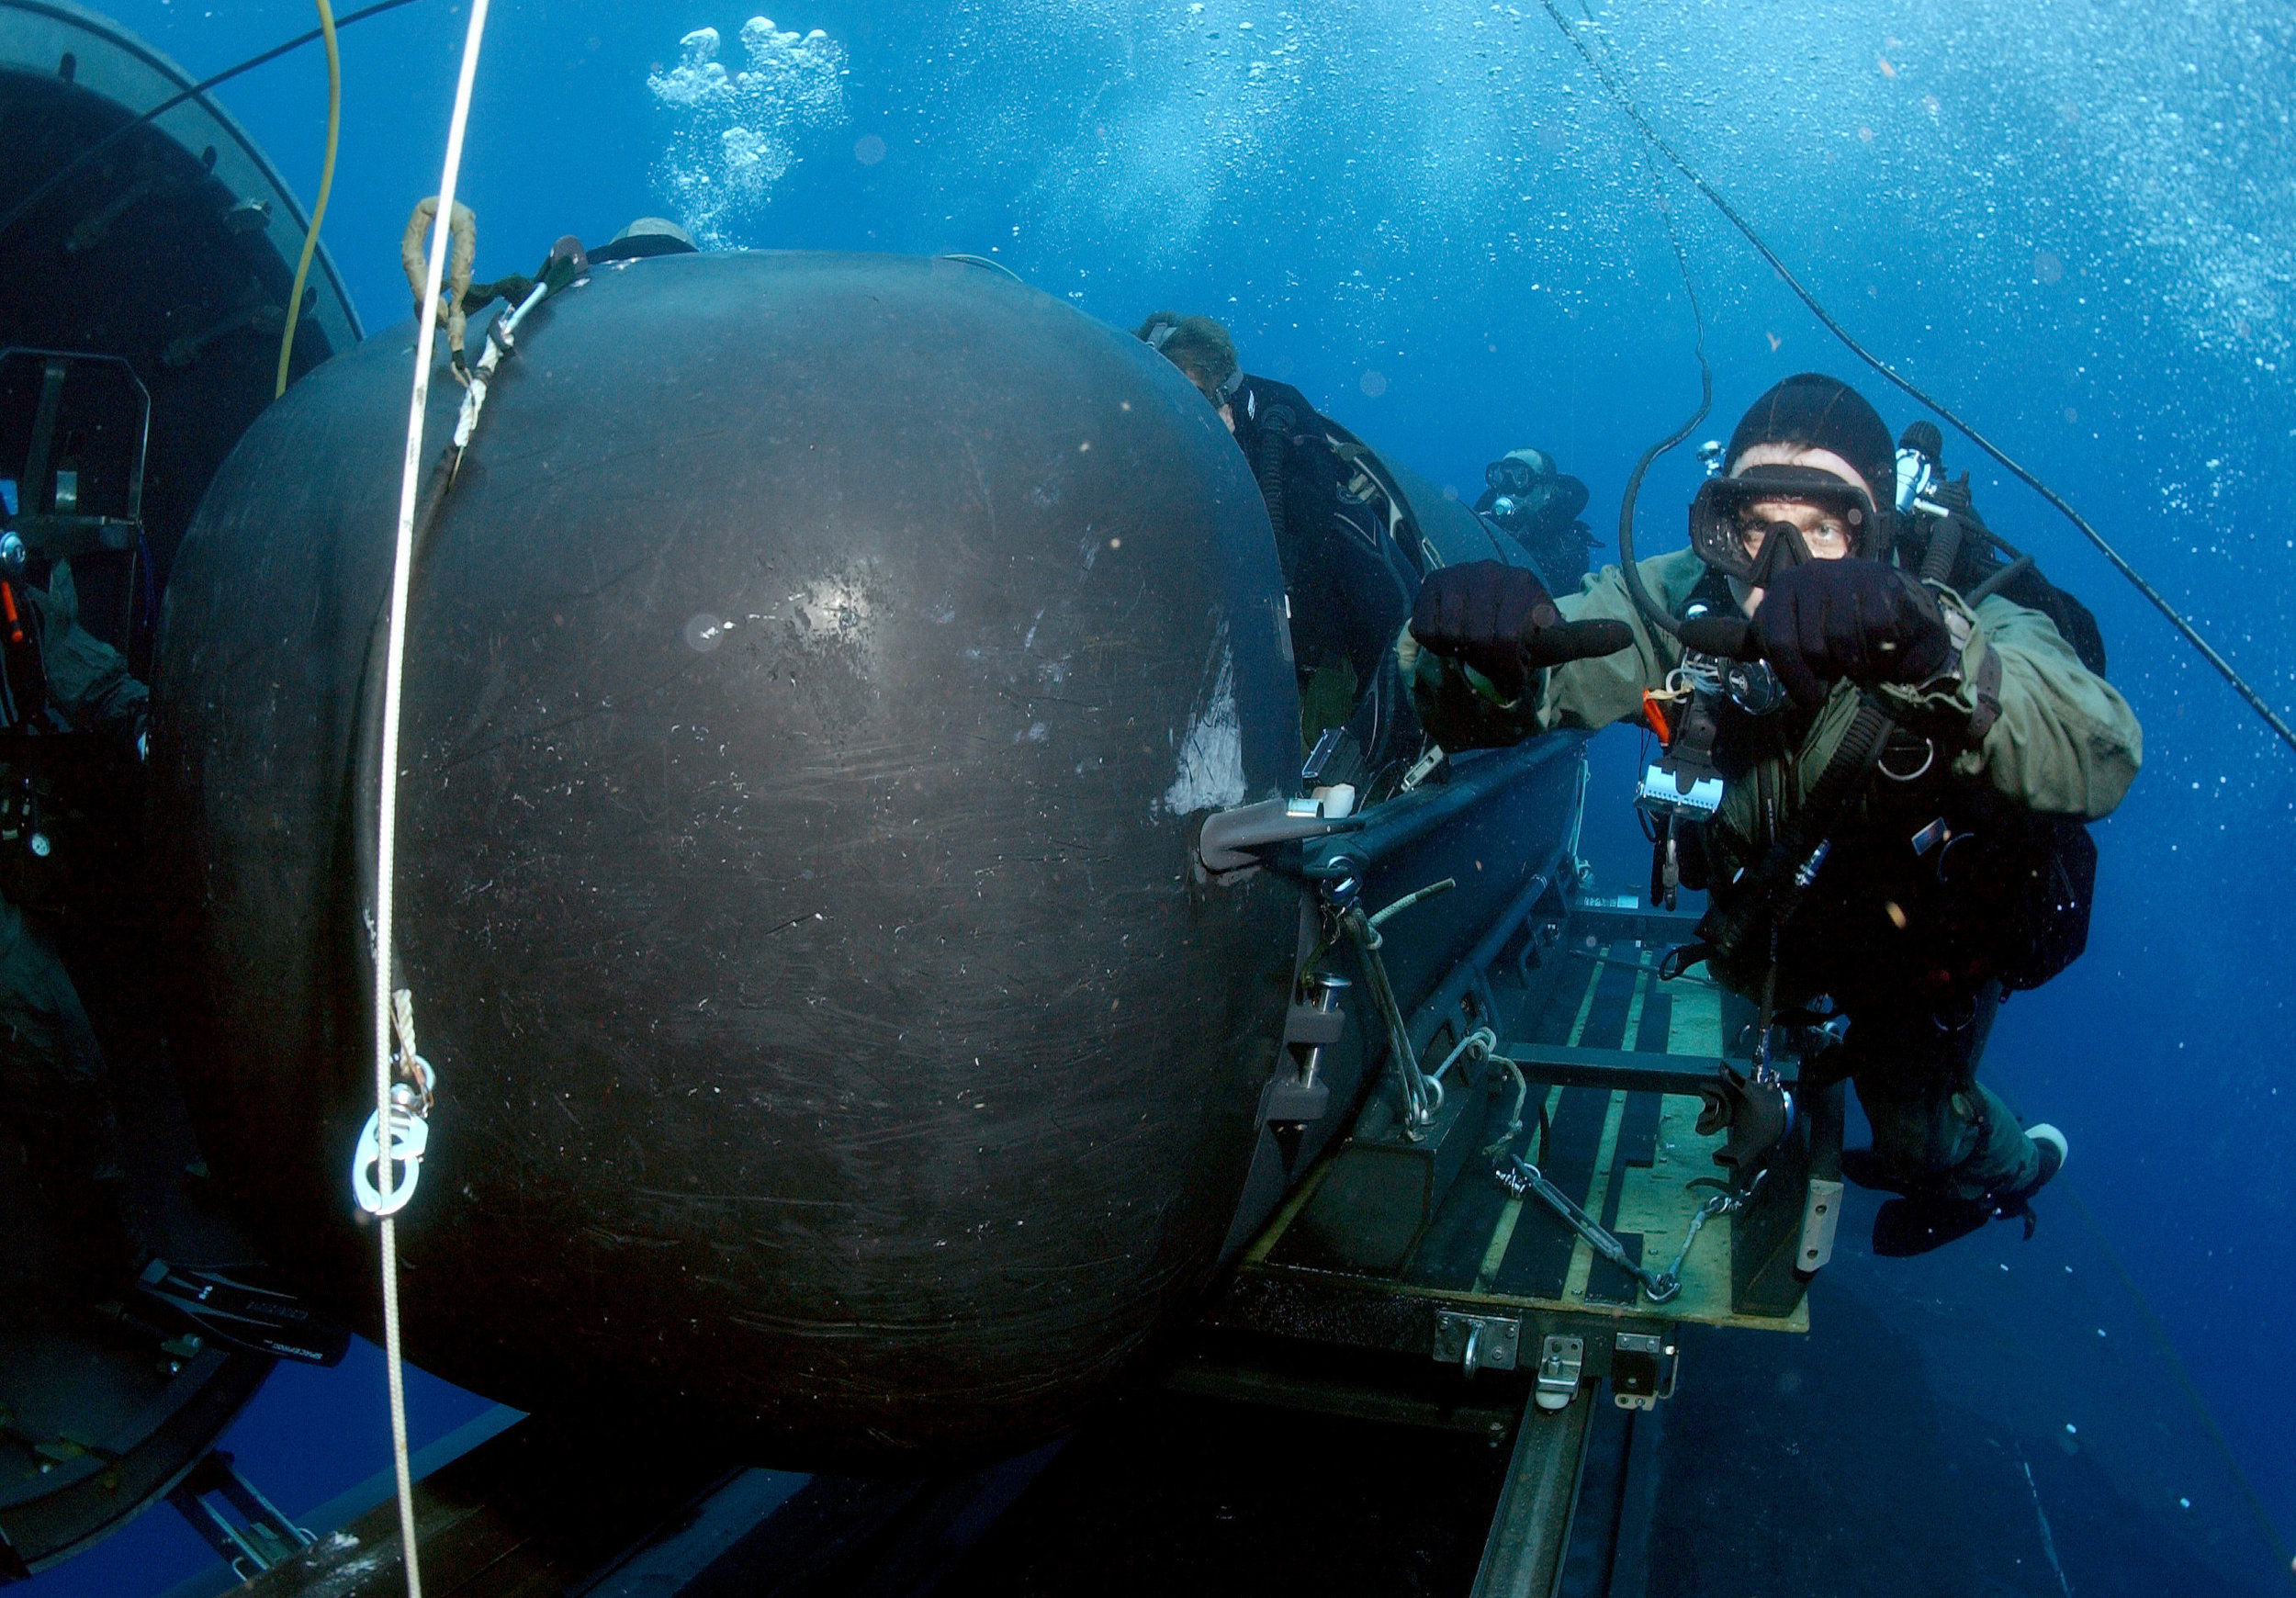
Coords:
pixel 402 559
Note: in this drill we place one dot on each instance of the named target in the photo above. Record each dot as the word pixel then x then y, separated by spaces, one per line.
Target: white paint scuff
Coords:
pixel 1210 774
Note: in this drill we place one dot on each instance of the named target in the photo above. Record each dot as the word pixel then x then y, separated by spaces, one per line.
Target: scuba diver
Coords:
pixel 72 744
pixel 1538 507
pixel 642 239
pixel 1878 779
pixel 63 692
pixel 1349 585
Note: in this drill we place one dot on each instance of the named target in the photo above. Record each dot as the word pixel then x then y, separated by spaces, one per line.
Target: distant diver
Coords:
pixel 1350 589
pixel 645 238
pixel 1538 507
pixel 1878 778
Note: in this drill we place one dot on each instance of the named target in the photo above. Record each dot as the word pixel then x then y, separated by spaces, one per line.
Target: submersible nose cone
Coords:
pixel 818 668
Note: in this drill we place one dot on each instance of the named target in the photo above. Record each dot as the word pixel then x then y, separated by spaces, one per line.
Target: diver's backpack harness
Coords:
pixel 1766 897
pixel 2017 888
pixel 2016 908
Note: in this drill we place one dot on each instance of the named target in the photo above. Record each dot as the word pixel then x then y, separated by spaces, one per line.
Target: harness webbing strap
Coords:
pixel 1771 890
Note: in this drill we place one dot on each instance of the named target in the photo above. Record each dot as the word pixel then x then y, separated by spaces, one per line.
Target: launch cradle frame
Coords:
pixel 1359 1272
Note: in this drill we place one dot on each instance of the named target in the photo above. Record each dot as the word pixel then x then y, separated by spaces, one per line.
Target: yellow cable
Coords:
pixel 326 182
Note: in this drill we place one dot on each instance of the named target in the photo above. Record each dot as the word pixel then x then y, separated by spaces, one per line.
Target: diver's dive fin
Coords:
pixel 245 1306
pixel 1919 1223
pixel 1864 1167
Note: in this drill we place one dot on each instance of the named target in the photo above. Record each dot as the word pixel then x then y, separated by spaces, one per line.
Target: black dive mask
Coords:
pixel 1783 547
pixel 1716 528
pixel 1512 475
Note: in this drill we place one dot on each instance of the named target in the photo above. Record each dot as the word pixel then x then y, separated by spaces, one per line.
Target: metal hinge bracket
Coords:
pixel 1642 1366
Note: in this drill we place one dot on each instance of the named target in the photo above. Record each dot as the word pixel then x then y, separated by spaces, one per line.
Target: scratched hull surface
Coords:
pixel 815 666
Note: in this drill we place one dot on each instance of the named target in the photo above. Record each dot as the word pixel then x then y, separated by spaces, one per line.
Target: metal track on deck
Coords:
pixel 1616 1058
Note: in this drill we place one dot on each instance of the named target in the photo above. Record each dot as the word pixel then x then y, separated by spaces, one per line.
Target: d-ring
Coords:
pixel 1929 758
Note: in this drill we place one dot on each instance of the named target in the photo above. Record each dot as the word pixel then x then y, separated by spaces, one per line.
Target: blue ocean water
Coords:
pixel 2070 219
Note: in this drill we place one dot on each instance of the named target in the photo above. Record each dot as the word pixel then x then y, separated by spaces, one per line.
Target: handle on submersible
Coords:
pixel 1231 839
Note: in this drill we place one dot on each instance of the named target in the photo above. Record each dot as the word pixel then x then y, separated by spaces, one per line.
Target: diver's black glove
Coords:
pixel 1502 621
pixel 1858 619
pixel 1954 496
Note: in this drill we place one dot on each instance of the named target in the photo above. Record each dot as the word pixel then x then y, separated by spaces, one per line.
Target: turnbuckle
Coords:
pixel 1521 1178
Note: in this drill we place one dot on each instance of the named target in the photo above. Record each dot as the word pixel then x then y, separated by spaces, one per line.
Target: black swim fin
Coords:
pixel 1918 1224
pixel 1864 1167
pixel 248 1308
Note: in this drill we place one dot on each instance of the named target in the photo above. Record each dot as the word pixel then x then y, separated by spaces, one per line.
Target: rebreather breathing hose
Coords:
pixel 1625 102
pixel 1627 567
pixel 394 681
pixel 326 183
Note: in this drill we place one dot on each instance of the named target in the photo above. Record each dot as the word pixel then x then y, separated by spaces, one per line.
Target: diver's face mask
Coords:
pixel 1732 532
pixel 1513 475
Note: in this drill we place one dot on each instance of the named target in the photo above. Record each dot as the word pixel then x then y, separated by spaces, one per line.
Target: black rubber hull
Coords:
pixel 814 668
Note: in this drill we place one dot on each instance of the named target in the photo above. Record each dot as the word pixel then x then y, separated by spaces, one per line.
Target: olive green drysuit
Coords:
pixel 2031 730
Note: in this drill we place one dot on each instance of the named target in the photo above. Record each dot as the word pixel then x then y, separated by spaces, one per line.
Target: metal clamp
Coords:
pixel 1560 1359
pixel 1678 793
pixel 1300 1096
pixel 1642 1366
pixel 254 1537
pixel 1422 769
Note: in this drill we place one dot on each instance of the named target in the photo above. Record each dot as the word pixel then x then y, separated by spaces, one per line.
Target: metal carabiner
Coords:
pixel 410 1138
